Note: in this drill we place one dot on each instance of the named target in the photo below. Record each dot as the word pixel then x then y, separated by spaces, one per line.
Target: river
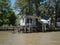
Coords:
pixel 47 38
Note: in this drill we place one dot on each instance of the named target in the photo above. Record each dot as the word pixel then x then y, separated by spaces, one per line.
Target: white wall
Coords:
pixel 22 21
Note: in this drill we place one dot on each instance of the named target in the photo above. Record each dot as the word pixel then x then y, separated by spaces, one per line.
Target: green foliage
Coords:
pixel 24 6
pixel 57 29
pixel 12 19
pixel 34 6
pixel 1 22
pixel 22 3
pixel 27 6
pixel 6 13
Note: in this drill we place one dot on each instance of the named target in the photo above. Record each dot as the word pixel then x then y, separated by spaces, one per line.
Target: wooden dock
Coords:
pixel 19 28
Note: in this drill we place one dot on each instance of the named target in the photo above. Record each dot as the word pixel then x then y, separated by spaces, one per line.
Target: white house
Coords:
pixel 27 20
pixel 32 21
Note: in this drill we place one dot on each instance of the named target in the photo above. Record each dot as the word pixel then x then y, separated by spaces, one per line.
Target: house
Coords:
pixel 29 21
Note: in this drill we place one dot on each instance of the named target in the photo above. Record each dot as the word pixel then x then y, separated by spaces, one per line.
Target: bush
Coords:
pixel 53 29
pixel 57 29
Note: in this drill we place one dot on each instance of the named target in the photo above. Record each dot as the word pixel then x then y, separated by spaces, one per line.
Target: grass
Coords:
pixel 57 29
pixel 53 29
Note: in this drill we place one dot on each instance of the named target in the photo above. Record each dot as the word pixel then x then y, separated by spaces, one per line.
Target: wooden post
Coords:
pixel 29 26
pixel 43 27
pixel 25 28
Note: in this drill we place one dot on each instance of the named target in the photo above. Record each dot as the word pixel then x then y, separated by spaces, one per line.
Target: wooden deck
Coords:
pixel 20 28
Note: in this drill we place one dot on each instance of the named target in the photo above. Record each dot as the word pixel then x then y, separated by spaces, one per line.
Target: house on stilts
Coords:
pixel 31 23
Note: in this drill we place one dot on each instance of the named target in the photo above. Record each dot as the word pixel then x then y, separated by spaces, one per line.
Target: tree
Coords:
pixel 37 4
pixel 3 5
pixel 5 12
pixel 22 5
pixel 26 6
pixel 12 19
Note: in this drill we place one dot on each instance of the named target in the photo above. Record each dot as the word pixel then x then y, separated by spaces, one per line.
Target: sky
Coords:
pixel 12 2
pixel 43 2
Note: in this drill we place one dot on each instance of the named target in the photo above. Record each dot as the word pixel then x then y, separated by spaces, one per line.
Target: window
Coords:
pixel 29 21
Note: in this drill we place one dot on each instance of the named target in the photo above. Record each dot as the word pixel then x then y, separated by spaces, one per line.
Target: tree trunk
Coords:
pixel 30 7
pixel 37 7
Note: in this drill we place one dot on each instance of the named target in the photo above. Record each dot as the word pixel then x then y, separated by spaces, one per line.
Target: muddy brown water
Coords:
pixel 49 38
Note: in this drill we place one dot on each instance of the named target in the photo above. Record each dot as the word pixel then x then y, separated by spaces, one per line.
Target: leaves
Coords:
pixel 43 10
pixel 6 12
